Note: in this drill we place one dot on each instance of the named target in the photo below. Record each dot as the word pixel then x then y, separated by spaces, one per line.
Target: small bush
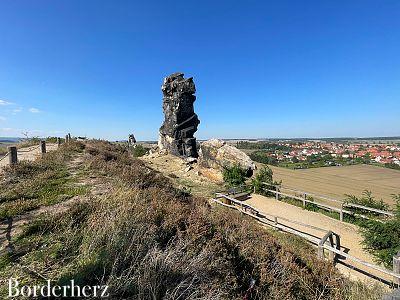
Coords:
pixel 367 200
pixel 234 176
pixel 383 239
pixel 263 176
pixel 139 150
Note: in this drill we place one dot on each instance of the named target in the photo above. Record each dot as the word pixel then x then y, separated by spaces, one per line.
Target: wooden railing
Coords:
pixel 13 150
pixel 330 241
pixel 340 207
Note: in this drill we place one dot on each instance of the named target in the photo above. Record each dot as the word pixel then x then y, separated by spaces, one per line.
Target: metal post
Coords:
pixel 13 155
pixel 304 201
pixel 277 193
pixel 396 267
pixel 43 147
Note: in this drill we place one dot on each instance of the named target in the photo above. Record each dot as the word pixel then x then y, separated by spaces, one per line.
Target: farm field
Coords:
pixel 335 182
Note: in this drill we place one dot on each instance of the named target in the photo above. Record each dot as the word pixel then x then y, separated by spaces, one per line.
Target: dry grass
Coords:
pixel 31 184
pixel 3 150
pixel 148 240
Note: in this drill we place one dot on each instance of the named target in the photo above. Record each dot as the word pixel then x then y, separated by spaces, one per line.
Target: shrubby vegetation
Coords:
pixel 234 176
pixel 382 239
pixel 263 157
pixel 366 200
pixel 392 166
pixel 148 240
pixel 264 175
pixel 139 150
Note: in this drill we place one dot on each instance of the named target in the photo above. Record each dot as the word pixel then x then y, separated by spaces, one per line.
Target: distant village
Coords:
pixel 317 154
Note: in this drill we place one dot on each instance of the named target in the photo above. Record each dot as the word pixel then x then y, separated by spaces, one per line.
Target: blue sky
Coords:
pixel 262 68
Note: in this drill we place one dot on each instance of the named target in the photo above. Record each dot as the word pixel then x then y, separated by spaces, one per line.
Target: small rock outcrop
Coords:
pixel 180 123
pixel 216 154
pixel 131 140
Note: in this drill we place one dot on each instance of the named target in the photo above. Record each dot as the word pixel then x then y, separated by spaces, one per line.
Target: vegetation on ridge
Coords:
pixel 148 240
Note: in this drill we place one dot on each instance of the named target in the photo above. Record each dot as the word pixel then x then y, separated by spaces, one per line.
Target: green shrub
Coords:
pixel 265 175
pixel 383 239
pixel 234 176
pixel 366 200
pixel 139 150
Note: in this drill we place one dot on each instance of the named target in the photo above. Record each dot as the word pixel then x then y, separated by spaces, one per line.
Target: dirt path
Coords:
pixel 349 233
pixel 28 153
pixel 14 226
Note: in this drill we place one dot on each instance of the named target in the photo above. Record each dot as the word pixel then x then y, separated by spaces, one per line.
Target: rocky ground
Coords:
pixel 185 174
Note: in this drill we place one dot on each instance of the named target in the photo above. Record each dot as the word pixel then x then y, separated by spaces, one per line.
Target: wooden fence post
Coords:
pixel 341 212
pixel 304 201
pixel 43 147
pixel 396 267
pixel 13 155
pixel 276 222
pixel 69 137
pixel 58 141
pixel 321 244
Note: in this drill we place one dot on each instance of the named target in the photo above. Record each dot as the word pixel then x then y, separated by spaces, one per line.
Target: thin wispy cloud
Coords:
pixel 6 129
pixel 17 110
pixel 4 102
pixel 2 118
pixel 34 110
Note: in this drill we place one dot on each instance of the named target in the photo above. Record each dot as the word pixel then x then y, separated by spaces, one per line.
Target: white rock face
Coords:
pixel 217 154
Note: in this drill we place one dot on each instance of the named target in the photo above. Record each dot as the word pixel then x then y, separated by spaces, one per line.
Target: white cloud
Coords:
pixel 2 118
pixel 34 110
pixel 4 102
pixel 17 110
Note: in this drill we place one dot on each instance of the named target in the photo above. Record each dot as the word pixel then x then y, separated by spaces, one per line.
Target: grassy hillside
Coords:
pixel 148 240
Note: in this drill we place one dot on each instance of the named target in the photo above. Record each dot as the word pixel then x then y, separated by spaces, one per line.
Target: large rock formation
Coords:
pixel 180 123
pixel 216 154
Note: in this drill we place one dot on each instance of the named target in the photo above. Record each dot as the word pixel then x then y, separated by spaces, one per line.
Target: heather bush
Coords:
pixel 148 240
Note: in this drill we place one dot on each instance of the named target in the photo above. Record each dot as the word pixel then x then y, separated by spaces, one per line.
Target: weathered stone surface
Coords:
pixel 131 140
pixel 180 123
pixel 217 154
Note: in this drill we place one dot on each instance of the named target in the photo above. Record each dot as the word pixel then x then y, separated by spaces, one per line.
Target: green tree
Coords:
pixel 265 175
pixel 234 176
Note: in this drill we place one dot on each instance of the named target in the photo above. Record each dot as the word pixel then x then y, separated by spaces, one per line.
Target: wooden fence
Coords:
pixel 330 241
pixel 340 207
pixel 13 151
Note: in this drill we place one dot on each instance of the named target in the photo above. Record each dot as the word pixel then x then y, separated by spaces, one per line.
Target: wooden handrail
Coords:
pixel 348 204
pixel 320 243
